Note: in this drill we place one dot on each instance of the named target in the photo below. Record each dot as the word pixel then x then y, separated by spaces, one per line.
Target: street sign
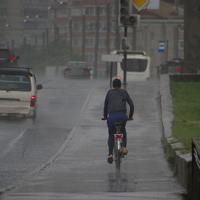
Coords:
pixel 161 47
pixel 112 58
pixel 140 4
pixel 154 5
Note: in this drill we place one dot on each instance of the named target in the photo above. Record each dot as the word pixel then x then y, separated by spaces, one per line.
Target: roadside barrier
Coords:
pixel 196 169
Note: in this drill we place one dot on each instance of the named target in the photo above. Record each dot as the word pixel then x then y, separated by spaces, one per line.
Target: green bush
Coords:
pixel 186 109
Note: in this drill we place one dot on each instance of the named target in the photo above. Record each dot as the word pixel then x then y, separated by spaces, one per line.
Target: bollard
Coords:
pixel 196 169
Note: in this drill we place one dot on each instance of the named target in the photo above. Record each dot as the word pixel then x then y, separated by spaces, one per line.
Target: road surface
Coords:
pixel 79 170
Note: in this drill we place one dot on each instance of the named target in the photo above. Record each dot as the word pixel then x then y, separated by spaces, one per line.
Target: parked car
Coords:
pixel 77 69
pixel 7 58
pixel 18 92
pixel 174 66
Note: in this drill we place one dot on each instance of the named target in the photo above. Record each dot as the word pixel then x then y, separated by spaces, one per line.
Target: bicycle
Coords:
pixel 118 143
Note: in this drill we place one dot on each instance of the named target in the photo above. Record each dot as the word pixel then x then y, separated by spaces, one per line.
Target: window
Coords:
pixel 91 26
pixel 4 54
pixel 136 65
pixel 102 11
pixel 89 42
pixel 77 27
pixel 90 11
pixel 11 82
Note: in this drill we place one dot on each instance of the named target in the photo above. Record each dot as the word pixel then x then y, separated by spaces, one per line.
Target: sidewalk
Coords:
pixel 81 171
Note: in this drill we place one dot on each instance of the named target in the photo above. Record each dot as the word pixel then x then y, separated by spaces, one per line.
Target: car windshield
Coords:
pixel 136 65
pixel 12 82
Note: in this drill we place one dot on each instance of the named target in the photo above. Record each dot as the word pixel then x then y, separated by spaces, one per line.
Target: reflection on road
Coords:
pixel 117 182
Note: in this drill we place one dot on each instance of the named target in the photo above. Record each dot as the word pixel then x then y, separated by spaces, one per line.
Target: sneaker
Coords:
pixel 125 151
pixel 110 158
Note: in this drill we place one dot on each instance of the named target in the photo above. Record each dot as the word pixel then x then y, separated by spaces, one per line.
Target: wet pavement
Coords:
pixel 27 145
pixel 81 172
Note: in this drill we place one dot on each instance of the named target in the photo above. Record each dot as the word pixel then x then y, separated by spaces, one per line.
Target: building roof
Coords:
pixel 167 10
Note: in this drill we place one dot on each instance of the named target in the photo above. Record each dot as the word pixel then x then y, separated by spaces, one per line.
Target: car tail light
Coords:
pixel 33 101
pixel 12 58
pixel 179 69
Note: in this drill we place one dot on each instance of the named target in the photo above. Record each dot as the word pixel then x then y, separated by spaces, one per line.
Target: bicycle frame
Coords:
pixel 118 140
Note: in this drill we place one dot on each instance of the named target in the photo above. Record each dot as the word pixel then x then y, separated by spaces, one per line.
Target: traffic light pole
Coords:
pixel 125 56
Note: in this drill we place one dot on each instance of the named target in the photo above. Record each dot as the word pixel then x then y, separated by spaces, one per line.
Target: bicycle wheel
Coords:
pixel 117 159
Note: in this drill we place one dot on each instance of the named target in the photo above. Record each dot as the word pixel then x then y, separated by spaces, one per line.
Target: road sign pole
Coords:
pixel 111 73
pixel 125 56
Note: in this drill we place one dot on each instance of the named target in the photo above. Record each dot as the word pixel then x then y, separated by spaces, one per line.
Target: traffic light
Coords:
pixel 123 11
pixel 133 20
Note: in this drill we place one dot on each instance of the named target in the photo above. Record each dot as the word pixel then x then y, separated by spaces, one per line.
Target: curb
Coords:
pixel 180 162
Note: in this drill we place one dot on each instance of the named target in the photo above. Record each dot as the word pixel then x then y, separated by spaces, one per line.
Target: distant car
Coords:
pixel 77 69
pixel 7 58
pixel 174 66
pixel 18 92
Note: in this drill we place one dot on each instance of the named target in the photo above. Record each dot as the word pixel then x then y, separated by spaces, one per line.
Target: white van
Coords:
pixel 18 92
pixel 138 66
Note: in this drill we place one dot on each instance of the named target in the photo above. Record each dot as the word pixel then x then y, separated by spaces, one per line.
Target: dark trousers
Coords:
pixel 115 117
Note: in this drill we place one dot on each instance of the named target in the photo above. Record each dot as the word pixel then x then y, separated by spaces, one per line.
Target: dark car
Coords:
pixel 7 58
pixel 174 66
pixel 77 69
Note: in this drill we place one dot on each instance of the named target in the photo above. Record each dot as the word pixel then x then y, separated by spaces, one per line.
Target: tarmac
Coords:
pixel 79 170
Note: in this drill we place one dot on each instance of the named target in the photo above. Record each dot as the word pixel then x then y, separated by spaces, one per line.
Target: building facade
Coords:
pixel 91 29
pixel 23 21
pixel 88 26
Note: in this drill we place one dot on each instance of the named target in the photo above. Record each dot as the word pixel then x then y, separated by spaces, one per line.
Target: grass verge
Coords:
pixel 186 110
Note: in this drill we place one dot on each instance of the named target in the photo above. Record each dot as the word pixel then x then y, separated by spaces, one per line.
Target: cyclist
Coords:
pixel 114 111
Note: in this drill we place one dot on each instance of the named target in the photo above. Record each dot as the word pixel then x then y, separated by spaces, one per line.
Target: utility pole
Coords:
pixel 55 18
pixel 117 32
pixel 96 42
pixel 108 11
pixel 70 37
pixel 125 56
pixel 47 37
pixel 128 19
pixel 83 36
pixel 125 20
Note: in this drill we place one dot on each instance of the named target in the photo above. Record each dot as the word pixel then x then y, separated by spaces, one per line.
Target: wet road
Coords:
pixel 25 146
pixel 80 171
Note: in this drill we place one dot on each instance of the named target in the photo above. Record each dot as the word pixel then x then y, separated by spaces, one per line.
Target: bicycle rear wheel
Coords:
pixel 117 159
